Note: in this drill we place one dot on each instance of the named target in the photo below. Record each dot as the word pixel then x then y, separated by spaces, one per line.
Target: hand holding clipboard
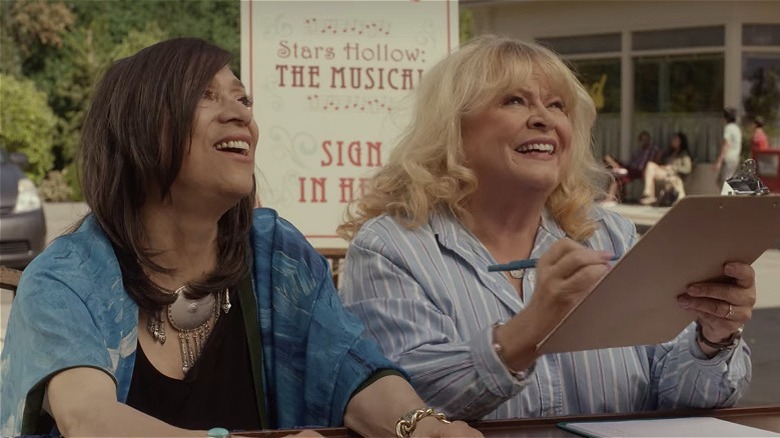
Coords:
pixel 635 303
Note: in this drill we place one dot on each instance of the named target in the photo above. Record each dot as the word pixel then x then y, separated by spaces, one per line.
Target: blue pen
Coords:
pixel 522 264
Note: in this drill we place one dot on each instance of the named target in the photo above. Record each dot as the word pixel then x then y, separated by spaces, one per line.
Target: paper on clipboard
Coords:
pixel 635 303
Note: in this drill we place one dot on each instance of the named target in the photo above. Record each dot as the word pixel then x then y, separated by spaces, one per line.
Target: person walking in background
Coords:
pixel 623 174
pixel 676 165
pixel 731 147
pixel 175 306
pixel 496 165
pixel 758 140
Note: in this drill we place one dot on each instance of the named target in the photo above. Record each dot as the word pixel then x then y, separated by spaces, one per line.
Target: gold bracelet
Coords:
pixel 406 425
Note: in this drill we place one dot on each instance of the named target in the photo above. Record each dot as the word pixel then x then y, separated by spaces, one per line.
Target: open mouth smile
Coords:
pixel 233 146
pixel 536 147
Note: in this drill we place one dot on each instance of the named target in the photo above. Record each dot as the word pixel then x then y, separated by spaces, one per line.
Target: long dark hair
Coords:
pixel 682 151
pixel 135 135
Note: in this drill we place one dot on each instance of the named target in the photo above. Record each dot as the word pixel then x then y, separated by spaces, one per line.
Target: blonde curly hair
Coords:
pixel 425 171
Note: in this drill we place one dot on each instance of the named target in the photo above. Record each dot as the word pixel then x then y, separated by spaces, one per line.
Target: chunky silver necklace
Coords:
pixel 191 319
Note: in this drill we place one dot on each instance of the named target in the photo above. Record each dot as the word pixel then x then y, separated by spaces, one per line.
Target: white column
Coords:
pixel 732 71
pixel 626 95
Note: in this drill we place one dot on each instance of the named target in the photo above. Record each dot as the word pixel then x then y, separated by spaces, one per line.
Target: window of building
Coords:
pixel 761 90
pixel 708 36
pixel 575 45
pixel 679 83
pixel 601 77
pixel 681 93
pixel 761 34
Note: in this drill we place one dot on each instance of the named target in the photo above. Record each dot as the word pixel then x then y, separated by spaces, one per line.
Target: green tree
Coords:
pixel 27 124
pixel 764 97
pixel 466 25
pixel 38 23
pixel 65 46
pixel 10 55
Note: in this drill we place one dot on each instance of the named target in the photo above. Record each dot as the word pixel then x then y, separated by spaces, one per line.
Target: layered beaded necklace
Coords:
pixel 191 319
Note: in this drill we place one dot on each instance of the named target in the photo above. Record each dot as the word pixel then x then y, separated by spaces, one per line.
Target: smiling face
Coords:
pixel 519 141
pixel 218 166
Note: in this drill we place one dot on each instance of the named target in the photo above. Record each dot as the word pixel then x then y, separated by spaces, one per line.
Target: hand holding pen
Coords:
pixel 565 274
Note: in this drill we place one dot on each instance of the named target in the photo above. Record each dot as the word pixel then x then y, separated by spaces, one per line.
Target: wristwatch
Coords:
pixel 730 344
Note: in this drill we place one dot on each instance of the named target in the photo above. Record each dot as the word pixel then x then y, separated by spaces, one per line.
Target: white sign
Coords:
pixel 331 82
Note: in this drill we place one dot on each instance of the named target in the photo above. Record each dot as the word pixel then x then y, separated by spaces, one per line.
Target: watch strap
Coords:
pixel 730 344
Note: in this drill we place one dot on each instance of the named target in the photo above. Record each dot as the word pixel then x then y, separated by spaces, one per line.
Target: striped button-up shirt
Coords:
pixel 427 298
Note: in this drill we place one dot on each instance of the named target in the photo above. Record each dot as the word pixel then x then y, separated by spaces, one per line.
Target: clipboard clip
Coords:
pixel 745 181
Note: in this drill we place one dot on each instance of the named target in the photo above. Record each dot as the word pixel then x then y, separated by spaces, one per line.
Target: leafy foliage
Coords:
pixel 55 188
pixel 26 123
pixel 466 25
pixel 39 22
pixel 764 97
pixel 63 47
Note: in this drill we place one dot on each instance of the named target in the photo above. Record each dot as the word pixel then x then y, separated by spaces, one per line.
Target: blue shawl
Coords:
pixel 71 310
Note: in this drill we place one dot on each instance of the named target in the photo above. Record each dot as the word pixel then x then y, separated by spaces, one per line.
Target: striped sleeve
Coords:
pixel 401 289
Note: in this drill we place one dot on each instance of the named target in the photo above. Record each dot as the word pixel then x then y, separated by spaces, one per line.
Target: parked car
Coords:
pixel 22 222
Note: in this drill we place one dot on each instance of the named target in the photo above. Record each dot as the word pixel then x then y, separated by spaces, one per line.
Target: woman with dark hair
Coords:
pixel 677 164
pixel 174 306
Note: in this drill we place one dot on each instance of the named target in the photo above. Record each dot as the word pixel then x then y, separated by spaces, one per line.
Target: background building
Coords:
pixel 660 66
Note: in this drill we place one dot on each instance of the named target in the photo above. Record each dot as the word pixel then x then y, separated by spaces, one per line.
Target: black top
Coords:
pixel 218 391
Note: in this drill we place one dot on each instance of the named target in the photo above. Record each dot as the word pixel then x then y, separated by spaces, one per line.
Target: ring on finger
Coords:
pixel 731 311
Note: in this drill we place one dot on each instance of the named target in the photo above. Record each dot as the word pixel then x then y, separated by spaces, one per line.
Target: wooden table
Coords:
pixel 765 417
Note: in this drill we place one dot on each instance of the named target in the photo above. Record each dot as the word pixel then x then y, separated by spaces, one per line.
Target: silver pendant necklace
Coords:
pixel 517 274
pixel 191 319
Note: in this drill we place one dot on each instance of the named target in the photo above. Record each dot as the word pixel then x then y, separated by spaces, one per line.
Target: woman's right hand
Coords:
pixel 565 274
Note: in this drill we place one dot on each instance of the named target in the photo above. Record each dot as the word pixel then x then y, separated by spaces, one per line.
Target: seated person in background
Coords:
pixel 758 141
pixel 175 306
pixel 677 164
pixel 495 166
pixel 624 174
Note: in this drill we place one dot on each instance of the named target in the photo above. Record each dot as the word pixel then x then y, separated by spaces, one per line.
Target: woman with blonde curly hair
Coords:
pixel 496 165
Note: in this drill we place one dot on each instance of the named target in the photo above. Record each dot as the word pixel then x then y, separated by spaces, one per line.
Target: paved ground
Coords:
pixel 762 332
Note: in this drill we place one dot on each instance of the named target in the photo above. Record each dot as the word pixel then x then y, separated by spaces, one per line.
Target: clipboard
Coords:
pixel 635 303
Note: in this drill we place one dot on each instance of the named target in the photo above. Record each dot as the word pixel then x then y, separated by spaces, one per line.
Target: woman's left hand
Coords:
pixel 431 427
pixel 722 308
